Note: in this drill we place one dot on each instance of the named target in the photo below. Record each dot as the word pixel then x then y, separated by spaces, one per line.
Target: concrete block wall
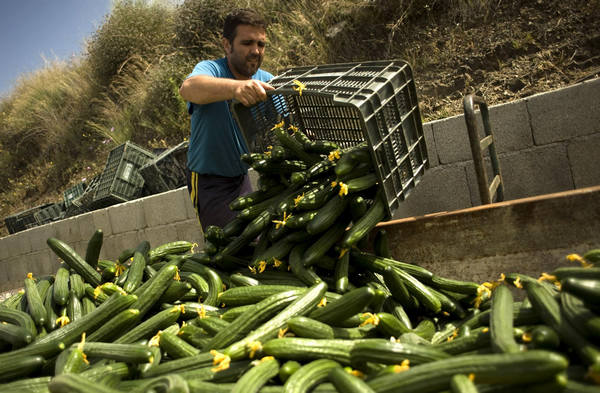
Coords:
pixel 546 143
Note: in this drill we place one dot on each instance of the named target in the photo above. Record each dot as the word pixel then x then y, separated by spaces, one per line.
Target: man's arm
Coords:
pixel 204 89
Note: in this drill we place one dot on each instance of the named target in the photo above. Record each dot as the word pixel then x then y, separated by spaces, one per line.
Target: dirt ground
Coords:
pixel 518 51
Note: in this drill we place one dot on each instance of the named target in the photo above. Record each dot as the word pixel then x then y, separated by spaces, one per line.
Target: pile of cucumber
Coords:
pixel 299 293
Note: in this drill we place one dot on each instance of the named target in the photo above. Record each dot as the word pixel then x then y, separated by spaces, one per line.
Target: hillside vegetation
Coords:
pixel 59 123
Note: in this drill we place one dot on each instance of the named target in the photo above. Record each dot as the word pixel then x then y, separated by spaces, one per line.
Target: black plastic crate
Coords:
pixel 72 193
pixel 24 220
pixel 121 180
pixel 52 212
pixel 167 171
pixel 349 103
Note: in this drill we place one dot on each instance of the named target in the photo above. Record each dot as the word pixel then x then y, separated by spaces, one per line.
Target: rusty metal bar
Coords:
pixel 496 189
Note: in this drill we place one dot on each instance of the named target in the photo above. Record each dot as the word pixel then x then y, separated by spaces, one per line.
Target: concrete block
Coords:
pixel 39 263
pixel 565 113
pixel 102 221
pixel 48 262
pixel 432 153
pixel 510 126
pixel 441 189
pixel 67 230
pixel 165 208
pixel 115 244
pixel 8 246
pixel 127 217
pixel 451 140
pixel 583 156
pixel 22 241
pixel 191 231
pixel 160 235
pixel 4 271
pixel 189 206
pixel 17 269
pixel 538 171
pixel 40 235
pixel 87 226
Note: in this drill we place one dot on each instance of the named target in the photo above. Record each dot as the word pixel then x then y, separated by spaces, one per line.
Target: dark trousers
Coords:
pixel 211 195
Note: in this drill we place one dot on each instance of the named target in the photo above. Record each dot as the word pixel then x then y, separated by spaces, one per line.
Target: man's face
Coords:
pixel 245 54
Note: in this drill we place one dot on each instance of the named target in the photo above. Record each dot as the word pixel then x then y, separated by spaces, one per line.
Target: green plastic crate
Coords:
pixel 50 213
pixel 73 193
pixel 167 171
pixel 121 180
pixel 349 103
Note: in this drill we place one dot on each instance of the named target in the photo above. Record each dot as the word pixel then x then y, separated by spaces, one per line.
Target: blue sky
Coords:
pixel 31 30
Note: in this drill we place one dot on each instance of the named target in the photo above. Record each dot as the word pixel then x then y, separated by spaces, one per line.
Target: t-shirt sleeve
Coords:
pixel 205 67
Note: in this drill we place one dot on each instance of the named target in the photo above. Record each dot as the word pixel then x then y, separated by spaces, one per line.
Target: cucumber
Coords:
pixel 378 265
pixel 74 311
pixel 77 285
pixel 150 326
pixel 301 306
pixel 460 383
pixel 346 382
pixel 20 366
pixel 587 290
pixel 518 368
pixel 307 349
pixel 501 321
pixel 375 213
pixel 215 283
pixel 212 325
pixel 548 308
pixel 310 328
pixel 115 326
pixel 135 272
pixel 349 304
pixel 255 378
pixel 296 263
pixel 176 347
pixel 327 215
pixel 340 273
pixel 75 383
pixel 257 314
pixel 240 296
pixel 16 335
pixel 19 318
pixel 75 262
pixel 384 351
pixel 92 251
pixel 309 375
pixel 154 290
pixel 325 242
pixel 72 332
pixel 252 198
pixel 390 326
pixel 294 147
pixel 34 301
pixel 287 369
pixel 170 248
pixel 61 286
pixel 128 353
pixel 580 317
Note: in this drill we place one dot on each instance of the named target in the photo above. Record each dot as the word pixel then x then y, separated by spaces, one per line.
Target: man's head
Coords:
pixel 244 36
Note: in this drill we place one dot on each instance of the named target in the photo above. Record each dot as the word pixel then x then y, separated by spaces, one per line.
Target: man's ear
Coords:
pixel 226 45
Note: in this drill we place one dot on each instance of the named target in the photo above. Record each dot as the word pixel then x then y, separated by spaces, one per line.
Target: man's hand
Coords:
pixel 250 92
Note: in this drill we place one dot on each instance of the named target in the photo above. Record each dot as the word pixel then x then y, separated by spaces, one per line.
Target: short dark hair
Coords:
pixel 241 16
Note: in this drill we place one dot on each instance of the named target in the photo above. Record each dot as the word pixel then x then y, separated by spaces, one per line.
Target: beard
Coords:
pixel 246 66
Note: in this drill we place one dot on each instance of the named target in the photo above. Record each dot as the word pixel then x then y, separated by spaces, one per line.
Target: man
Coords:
pixel 216 173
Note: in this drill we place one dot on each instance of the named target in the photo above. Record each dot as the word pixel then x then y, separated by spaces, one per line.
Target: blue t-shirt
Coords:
pixel 216 141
